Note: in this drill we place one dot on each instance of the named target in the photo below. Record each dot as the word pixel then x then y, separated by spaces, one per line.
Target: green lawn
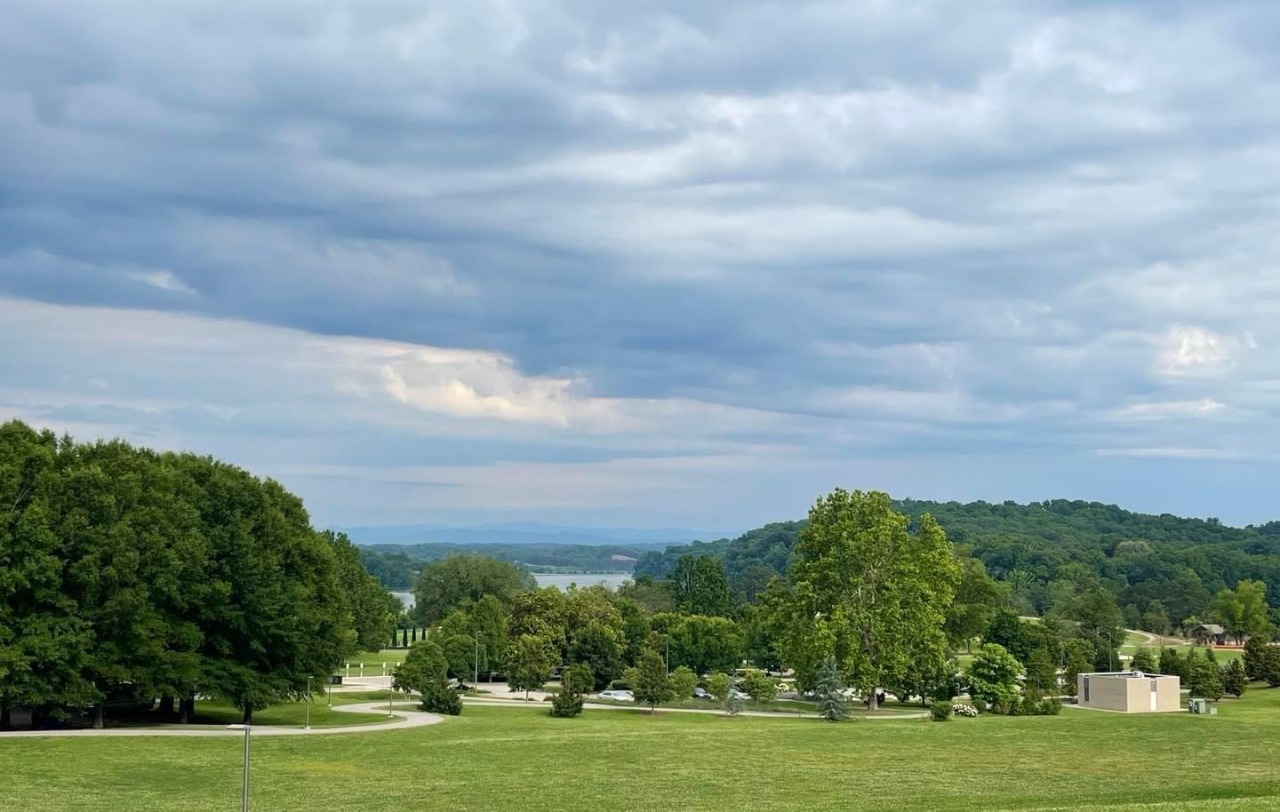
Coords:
pixel 373 661
pixel 500 758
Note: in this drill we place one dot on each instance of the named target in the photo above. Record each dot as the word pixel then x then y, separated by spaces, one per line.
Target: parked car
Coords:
pixel 702 693
pixel 617 696
pixel 741 695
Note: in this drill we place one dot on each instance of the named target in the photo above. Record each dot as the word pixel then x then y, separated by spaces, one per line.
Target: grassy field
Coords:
pixel 499 758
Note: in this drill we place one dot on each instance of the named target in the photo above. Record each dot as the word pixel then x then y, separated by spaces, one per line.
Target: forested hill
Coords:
pixel 1178 561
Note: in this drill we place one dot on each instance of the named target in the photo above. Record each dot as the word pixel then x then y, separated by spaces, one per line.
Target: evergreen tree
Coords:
pixel 1042 673
pixel 1143 660
pixel 829 690
pixel 1171 664
pixel 1234 680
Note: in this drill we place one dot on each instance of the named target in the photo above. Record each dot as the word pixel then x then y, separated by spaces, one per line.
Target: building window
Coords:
pixel 1086 689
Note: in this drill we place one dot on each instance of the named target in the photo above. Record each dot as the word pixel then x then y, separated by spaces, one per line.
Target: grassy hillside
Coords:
pixel 500 758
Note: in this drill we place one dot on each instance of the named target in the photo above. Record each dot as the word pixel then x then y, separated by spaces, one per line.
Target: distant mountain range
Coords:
pixel 526 533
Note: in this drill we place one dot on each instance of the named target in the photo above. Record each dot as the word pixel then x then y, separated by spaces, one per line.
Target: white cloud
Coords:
pixel 1165 410
pixel 1196 350
pixel 165 280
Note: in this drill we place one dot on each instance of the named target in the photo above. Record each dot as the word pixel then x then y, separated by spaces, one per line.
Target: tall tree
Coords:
pixel 373 609
pixel 869 588
pixel 528 664
pixel 651 687
pixel 978 597
pixel 700 586
pixel 41 635
pixel 1100 623
pixel 461 580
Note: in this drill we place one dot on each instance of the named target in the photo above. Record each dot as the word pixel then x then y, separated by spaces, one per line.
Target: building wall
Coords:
pixel 1129 695
pixel 1104 692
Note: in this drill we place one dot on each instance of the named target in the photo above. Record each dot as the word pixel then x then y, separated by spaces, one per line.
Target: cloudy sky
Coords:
pixel 653 264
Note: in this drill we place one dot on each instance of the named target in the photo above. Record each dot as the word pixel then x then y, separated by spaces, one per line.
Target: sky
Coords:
pixel 653 264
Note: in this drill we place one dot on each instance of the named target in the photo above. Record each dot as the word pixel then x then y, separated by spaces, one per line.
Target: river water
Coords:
pixel 559 580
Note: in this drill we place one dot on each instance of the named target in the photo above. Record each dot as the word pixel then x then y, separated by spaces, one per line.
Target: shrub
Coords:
pixel 940 711
pixel 438 697
pixel 965 710
pixel 1004 707
pixel 1028 706
pixel 1049 707
pixel 566 704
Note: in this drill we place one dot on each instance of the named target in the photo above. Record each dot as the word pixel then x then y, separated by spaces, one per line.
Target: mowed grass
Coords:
pixel 522 759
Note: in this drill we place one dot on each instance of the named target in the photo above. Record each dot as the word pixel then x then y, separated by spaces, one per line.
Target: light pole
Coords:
pixel 475 661
pixel 244 783
pixel 307 724
pixel 391 689
pixel 666 657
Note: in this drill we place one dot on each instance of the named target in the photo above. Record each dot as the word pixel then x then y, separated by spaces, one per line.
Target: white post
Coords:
pixel 348 670
pixel 384 669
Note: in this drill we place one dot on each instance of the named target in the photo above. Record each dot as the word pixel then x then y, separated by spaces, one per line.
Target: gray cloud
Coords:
pixel 823 232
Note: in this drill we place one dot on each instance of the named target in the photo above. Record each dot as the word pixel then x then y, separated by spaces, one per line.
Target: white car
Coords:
pixel 736 694
pixel 617 696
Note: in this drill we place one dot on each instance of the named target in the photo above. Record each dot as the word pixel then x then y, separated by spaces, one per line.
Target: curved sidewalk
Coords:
pixel 404 719
pixel 517 703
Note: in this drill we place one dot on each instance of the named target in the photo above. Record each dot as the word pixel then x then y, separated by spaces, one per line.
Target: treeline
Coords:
pixel 872 599
pixel 1163 571
pixel 397 566
pixel 131 574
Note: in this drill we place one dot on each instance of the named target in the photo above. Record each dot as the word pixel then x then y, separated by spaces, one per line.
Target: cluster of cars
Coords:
pixel 619 695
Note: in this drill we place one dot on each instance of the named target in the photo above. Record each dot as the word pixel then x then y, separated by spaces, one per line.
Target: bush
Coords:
pixel 438 697
pixel 1050 707
pixel 566 704
pixel 1004 707
pixel 940 711
pixel 1029 706
pixel 965 710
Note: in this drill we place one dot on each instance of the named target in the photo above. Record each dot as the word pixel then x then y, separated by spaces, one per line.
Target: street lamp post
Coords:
pixel 475 660
pixel 244 782
pixel 307 724
pixel 391 689
pixel 666 658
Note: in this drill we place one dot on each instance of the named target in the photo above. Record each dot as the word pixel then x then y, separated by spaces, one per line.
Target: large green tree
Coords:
pixel 528 664
pixel 868 589
pixel 459 581
pixel 373 609
pixel 700 586
pixel 977 600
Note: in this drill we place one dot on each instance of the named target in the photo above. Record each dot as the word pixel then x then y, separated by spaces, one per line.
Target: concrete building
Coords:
pixel 1129 692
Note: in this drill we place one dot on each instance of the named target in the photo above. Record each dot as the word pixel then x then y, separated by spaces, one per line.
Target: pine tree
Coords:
pixel 1143 660
pixel 830 691
pixel 1234 680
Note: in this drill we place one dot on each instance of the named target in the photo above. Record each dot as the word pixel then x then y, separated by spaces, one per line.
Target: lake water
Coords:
pixel 562 581
pixel 559 580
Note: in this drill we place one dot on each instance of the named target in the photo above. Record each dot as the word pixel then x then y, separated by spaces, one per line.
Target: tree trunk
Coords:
pixel 6 716
pixel 98 712
pixel 165 708
pixel 873 701
pixel 247 718
pixel 187 709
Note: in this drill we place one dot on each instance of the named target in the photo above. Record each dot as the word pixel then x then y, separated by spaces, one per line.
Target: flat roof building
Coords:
pixel 1129 692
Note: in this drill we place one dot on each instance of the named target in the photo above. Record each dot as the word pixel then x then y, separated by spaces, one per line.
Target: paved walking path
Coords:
pixel 503 703
pixel 403 719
